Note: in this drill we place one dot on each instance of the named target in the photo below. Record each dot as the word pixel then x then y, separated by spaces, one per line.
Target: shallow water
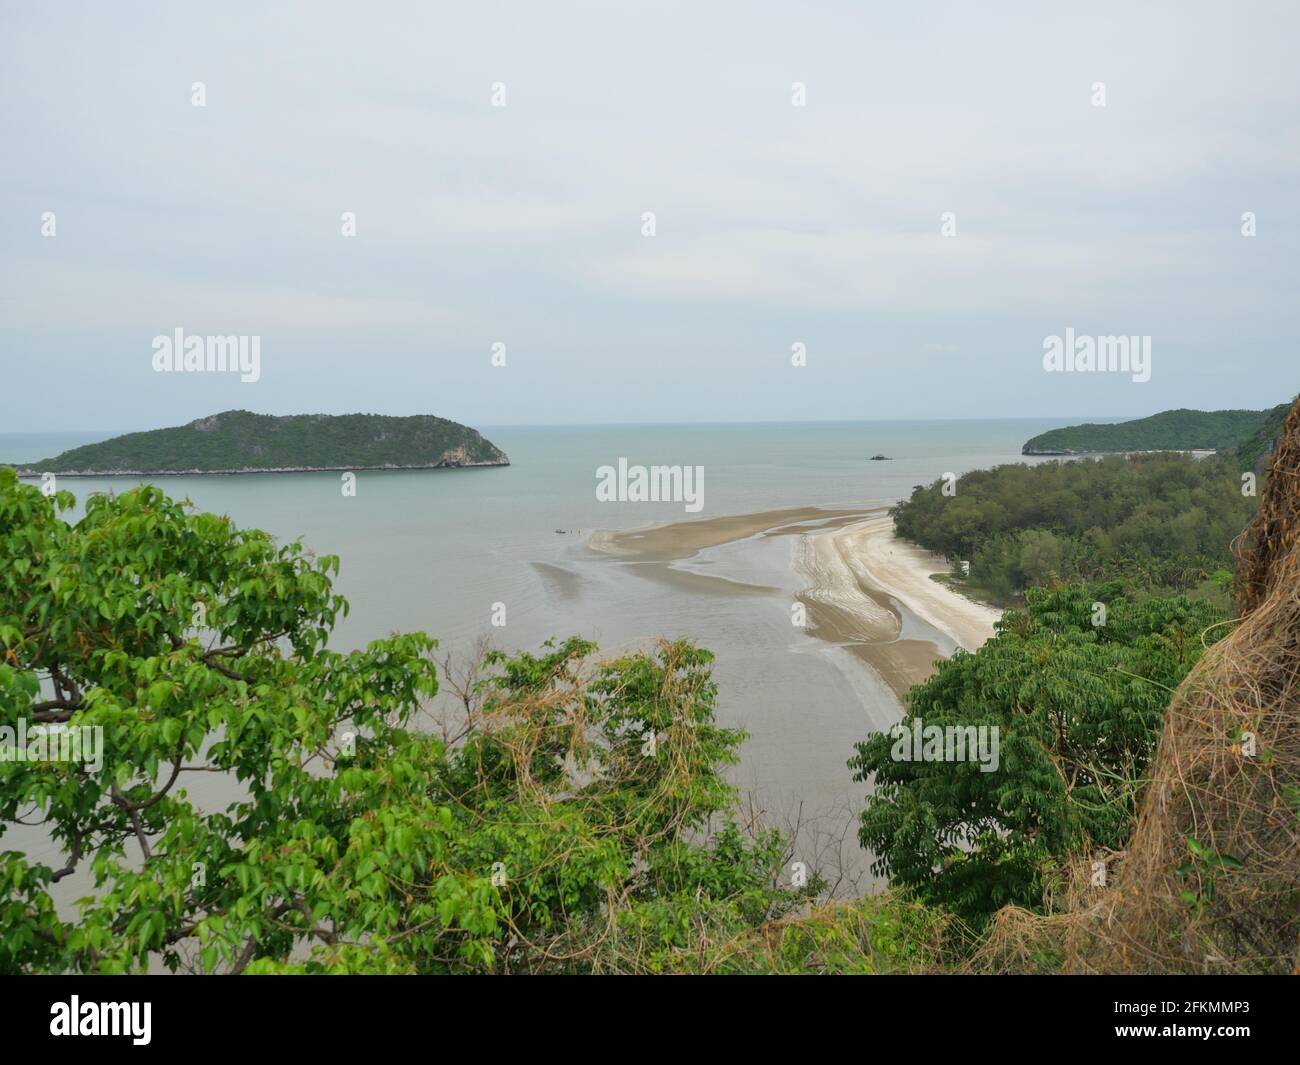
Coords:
pixel 435 550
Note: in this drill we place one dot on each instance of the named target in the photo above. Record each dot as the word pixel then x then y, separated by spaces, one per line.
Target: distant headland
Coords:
pixel 239 441
pixel 1247 434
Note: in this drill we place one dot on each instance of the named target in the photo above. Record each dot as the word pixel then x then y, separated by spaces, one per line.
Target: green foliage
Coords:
pixel 1041 554
pixel 241 440
pixel 1078 707
pixel 1161 523
pixel 579 814
pixel 1252 452
pixel 875 935
pixel 1170 430
pixel 1199 874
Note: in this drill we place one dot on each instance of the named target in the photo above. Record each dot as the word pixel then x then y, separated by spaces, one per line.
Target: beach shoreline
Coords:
pixel 865 589
pixel 905 570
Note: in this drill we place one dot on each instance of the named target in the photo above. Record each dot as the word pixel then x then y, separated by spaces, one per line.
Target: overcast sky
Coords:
pixel 774 224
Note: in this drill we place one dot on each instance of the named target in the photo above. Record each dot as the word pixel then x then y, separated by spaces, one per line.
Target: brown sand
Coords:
pixel 858 572
pixel 860 576
pixel 681 539
pixel 884 562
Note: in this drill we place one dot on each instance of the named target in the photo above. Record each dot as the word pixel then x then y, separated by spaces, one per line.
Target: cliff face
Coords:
pixel 460 456
pixel 244 442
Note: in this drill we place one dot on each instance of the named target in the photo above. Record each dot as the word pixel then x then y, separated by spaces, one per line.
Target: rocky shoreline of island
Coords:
pixel 30 473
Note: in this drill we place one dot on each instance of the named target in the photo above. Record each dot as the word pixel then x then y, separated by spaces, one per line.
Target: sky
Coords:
pixel 500 162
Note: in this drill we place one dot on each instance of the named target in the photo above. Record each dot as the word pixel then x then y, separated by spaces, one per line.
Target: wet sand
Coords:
pixel 681 539
pixel 903 569
pixel 864 583
pixel 867 591
pixel 559 581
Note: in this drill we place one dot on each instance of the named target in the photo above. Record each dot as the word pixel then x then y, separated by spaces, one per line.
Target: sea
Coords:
pixel 448 552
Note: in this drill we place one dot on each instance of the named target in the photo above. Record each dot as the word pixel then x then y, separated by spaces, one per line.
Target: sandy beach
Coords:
pixel 903 570
pixel 872 594
pixel 865 589
pixel 682 539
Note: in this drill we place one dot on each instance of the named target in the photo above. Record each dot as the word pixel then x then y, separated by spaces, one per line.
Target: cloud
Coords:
pixel 477 223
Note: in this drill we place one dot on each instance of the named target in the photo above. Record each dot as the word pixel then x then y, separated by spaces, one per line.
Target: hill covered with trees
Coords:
pixel 1251 452
pixel 1170 430
pixel 239 441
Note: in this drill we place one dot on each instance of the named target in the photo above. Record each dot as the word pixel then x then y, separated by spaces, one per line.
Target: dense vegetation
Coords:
pixel 573 816
pixel 1078 695
pixel 1160 523
pixel 569 814
pixel 1170 430
pixel 1252 451
pixel 240 440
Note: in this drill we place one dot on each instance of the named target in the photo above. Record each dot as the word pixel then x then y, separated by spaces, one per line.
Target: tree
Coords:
pixel 1040 554
pixel 576 812
pixel 1077 706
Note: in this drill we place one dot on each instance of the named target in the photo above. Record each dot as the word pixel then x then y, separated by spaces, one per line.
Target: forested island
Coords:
pixel 239 441
pixel 1170 430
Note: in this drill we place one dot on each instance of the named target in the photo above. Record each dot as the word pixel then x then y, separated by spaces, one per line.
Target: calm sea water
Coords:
pixel 435 550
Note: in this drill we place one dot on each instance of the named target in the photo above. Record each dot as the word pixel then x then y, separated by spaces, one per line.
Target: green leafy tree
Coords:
pixel 1078 706
pixel 1040 554
pixel 573 815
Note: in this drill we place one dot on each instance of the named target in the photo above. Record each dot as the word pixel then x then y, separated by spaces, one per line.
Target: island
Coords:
pixel 1170 430
pixel 239 441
